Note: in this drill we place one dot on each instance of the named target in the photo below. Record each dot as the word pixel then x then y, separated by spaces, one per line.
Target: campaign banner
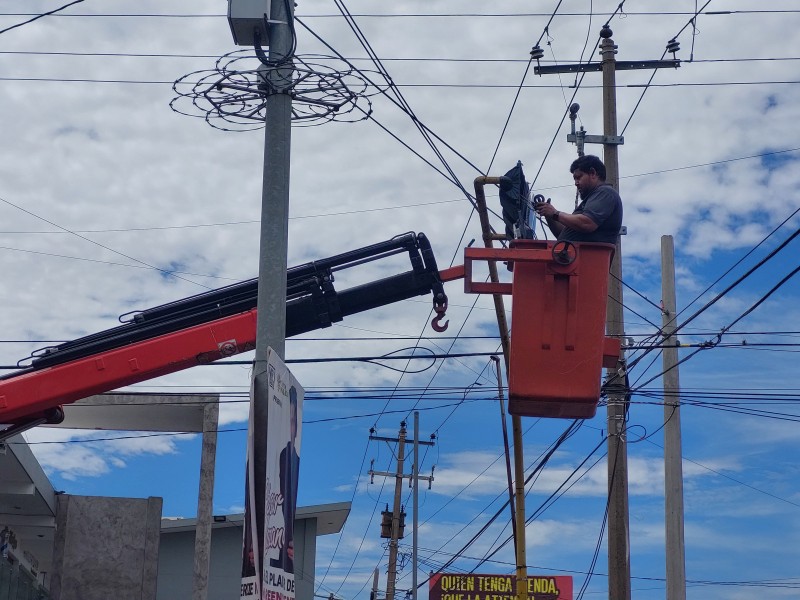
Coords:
pixel 250 559
pixel 445 586
pixel 283 470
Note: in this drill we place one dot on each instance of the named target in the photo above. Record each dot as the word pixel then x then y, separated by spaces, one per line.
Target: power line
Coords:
pixel 398 99
pixel 721 474
pixel 699 333
pixel 577 86
pixel 486 86
pixel 719 296
pixel 522 83
pixel 114 264
pixel 469 15
pixel 321 215
pixel 86 239
pixel 422 59
pixel 763 298
pixel 692 22
pixel 37 16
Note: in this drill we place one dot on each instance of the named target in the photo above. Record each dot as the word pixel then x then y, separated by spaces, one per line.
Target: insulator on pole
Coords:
pixel 673 46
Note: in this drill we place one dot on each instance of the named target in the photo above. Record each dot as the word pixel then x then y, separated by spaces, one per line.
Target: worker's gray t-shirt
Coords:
pixel 604 207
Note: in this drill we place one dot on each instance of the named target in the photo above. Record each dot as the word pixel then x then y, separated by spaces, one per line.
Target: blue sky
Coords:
pixel 110 161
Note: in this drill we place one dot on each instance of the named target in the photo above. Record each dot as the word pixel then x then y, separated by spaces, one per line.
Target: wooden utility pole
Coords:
pixel 391 577
pixel 619 565
pixel 415 529
pixel 673 467
pixel 399 475
pixel 619 569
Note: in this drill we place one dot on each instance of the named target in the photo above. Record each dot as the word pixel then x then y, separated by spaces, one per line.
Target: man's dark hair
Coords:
pixel 587 164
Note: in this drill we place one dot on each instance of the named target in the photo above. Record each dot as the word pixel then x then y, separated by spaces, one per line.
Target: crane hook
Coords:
pixel 440 307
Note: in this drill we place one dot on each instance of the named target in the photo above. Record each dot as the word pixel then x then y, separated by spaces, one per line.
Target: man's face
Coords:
pixel 585 182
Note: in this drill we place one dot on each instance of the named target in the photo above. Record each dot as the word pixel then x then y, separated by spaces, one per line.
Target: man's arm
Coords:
pixel 557 220
pixel 576 222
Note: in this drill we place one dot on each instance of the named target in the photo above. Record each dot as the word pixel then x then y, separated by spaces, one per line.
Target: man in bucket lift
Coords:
pixel 598 217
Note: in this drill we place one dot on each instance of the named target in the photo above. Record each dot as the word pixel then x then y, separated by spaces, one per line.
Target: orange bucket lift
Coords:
pixel 558 343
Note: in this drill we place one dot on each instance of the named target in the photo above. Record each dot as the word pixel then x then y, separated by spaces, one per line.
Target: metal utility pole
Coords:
pixel 271 323
pixel 520 551
pixel 619 570
pixel 395 533
pixel 673 467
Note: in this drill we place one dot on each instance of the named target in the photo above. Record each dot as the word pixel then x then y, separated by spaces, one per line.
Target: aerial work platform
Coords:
pixel 558 343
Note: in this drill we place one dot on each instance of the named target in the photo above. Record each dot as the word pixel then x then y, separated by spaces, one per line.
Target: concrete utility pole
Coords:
pixel 205 502
pixel 374 594
pixel 391 577
pixel 619 570
pixel 274 241
pixel 673 467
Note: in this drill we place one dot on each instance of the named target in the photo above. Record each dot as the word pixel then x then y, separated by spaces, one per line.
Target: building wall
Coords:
pixel 176 562
pixel 106 548
pixel 305 530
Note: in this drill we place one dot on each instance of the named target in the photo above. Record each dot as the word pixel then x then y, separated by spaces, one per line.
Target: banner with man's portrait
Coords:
pixel 283 470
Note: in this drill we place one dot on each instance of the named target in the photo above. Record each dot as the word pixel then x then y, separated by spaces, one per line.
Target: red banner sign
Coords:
pixel 443 586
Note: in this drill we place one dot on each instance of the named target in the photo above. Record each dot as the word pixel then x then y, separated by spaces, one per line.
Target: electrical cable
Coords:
pixel 363 538
pixel 407 109
pixel 477 86
pixel 39 16
pixel 421 59
pixel 520 87
pixel 540 464
pixel 737 481
pixel 588 35
pixel 652 76
pixel 86 239
pixel 341 533
pixel 113 264
pixel 468 15
pixel 559 492
pixel 719 296
pixel 325 215
pixel 738 262
pixel 399 96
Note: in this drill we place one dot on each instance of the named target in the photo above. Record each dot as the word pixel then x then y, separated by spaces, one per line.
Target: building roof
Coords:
pixel 27 500
pixel 330 519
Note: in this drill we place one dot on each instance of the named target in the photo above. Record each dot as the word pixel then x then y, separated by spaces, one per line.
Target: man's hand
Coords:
pixel 545 209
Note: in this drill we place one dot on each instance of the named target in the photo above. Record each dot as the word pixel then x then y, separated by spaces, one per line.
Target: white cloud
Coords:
pixel 73 454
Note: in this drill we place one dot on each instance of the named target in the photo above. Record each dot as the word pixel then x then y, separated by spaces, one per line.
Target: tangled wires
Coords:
pixel 233 95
